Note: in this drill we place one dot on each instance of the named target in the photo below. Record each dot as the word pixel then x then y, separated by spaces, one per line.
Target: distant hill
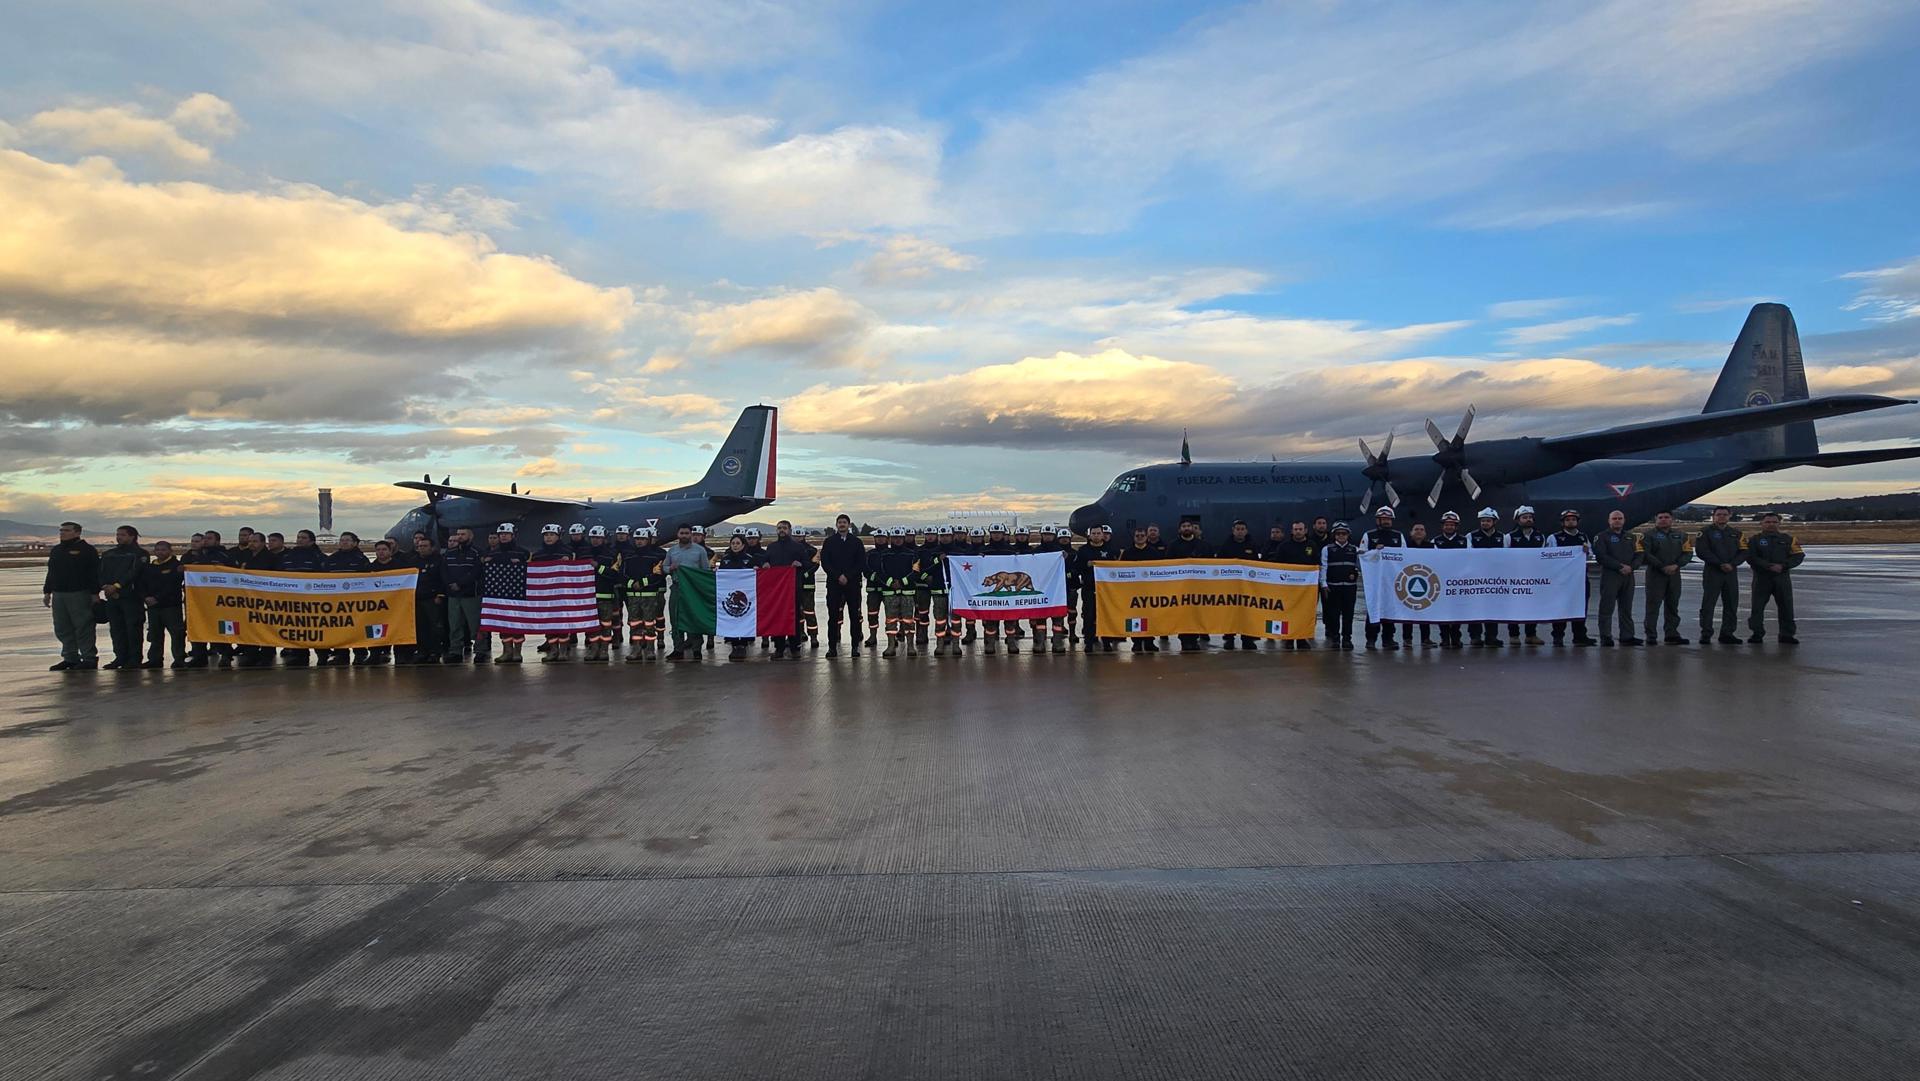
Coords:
pixel 12 532
pixel 1895 506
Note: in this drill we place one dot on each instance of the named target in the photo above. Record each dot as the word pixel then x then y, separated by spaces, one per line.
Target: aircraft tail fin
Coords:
pixel 744 466
pixel 1763 368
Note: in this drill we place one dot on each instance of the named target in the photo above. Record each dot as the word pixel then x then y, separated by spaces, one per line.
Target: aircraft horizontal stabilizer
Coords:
pixel 504 499
pixel 1837 459
pixel 1633 438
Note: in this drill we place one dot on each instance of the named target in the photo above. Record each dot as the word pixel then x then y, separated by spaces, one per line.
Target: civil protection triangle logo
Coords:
pixel 1417 586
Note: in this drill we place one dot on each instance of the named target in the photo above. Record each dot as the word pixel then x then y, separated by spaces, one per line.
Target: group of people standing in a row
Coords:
pixel 899 583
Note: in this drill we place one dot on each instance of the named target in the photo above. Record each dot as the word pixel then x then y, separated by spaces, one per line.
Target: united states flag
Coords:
pixel 538 598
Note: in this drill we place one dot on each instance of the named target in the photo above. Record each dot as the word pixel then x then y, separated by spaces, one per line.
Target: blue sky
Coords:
pixel 983 256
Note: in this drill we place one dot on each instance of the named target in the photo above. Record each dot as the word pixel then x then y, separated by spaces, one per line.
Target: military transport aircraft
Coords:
pixel 739 480
pixel 1758 419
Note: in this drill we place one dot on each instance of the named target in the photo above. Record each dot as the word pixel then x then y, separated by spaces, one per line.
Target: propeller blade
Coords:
pixel 1387 449
pixel 1367 453
pixel 1466 422
pixel 1393 497
pixel 1473 486
pixel 1366 500
pixel 1433 433
pixel 1433 497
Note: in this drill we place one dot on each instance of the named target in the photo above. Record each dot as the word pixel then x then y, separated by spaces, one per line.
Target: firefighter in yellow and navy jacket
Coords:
pixel 644 566
pixel 1773 555
pixel 1618 553
pixel 1721 549
pixel 899 581
pixel 1667 550
pixel 606 593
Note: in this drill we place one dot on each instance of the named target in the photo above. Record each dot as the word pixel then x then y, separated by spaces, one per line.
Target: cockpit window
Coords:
pixel 1129 482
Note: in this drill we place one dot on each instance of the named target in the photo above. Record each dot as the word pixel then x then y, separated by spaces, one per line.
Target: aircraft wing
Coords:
pixel 1838 458
pixel 1654 434
pixel 504 499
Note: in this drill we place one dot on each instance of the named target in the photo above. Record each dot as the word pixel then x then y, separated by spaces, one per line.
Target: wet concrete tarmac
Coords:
pixel 1678 862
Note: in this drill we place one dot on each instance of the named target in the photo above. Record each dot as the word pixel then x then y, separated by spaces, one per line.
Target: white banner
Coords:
pixel 1032 586
pixel 1468 585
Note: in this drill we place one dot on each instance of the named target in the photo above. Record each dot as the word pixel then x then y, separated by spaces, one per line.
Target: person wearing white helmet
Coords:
pixel 553 549
pixel 997 545
pixel 1049 629
pixel 643 573
pixel 577 539
pixel 1382 535
pixel 504 551
pixel 1571 536
pixel 944 627
pixel 737 557
pixel 1450 537
pixel 1340 577
pixel 607 594
pixel 899 580
pixel 1524 535
pixel 1485 634
pixel 871 573
pixel 968 545
pixel 1080 577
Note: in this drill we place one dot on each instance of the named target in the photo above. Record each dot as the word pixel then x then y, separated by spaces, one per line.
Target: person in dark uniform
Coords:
pixel 1773 555
pixel 429 603
pixel 304 557
pixel 73 580
pixel 507 551
pixel 998 545
pixel 1382 535
pixel 1486 634
pixel 788 550
pixel 460 574
pixel 211 553
pixel 1570 536
pixel 1417 538
pixel 738 557
pixel 974 543
pixel 1451 537
pixel 946 629
pixel 559 647
pixel 1141 549
pixel 1722 550
pixel 643 566
pixel 160 586
pixel 1239 545
pixel 119 577
pixel 1299 548
pixel 257 556
pixel 1524 535
pixel 810 587
pixel 577 540
pixel 1667 549
pixel 844 560
pixel 1188 544
pixel 607 599
pixel 1340 577
pixel 1097 549
pixel 1048 634
pixel 347 558
pixel 1618 553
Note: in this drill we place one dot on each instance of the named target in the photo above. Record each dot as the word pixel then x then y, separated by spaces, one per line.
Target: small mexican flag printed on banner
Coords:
pixel 1134 625
pixel 228 626
pixel 754 602
pixel 376 630
pixel 1276 626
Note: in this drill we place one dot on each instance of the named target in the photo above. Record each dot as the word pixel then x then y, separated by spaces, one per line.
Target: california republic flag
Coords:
pixel 1030 586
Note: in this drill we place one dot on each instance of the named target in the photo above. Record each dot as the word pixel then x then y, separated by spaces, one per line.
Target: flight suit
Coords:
pixel 119 570
pixel 1525 538
pixel 162 582
pixel 1143 643
pixel 1450 632
pixel 1717 546
pixel 1340 577
pixel 302 558
pixel 1485 634
pixel 346 561
pixel 1765 549
pixel 1618 555
pixel 1664 548
pixel 1574 538
pixel 1381 629
pixel 201 654
pixel 644 570
pixel 460 568
pixel 1239 549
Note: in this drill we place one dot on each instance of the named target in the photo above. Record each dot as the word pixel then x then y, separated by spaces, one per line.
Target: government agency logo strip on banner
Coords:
pixel 1475 585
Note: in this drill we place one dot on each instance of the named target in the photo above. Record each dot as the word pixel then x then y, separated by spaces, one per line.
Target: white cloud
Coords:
pixel 822 326
pixel 902 257
pixel 128 129
pixel 1543 333
pixel 1509 310
pixel 1890 292
pixel 1430 102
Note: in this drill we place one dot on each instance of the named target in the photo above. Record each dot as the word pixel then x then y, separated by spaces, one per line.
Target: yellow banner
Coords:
pixel 300 611
pixel 1205 596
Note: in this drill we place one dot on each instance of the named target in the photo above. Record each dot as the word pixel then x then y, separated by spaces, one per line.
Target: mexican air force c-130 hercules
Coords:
pixel 740 479
pixel 1758 419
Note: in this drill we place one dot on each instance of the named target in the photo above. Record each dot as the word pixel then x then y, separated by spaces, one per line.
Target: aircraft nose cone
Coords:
pixel 1087 517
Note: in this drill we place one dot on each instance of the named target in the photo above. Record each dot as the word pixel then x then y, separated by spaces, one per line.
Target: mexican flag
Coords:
pixel 750 603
